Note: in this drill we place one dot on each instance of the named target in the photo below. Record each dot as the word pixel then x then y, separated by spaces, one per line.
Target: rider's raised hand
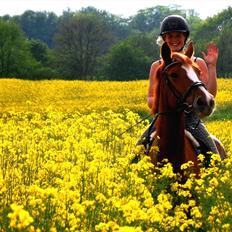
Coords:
pixel 212 54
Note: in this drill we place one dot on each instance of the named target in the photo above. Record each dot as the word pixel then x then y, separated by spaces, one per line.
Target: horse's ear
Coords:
pixel 166 54
pixel 189 52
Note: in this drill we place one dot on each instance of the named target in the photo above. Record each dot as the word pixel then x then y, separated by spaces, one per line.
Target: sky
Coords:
pixel 123 8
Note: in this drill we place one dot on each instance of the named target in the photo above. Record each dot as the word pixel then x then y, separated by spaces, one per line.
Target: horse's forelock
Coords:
pixel 185 59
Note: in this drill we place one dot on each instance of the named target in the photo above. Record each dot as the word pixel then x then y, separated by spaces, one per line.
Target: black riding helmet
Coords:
pixel 173 23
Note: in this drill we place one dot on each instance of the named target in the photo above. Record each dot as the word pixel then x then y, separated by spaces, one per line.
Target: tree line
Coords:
pixel 92 44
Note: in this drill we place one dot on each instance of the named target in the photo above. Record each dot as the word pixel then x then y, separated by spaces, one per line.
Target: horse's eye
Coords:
pixel 174 75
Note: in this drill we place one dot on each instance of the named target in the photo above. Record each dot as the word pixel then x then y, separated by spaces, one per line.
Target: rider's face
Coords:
pixel 175 40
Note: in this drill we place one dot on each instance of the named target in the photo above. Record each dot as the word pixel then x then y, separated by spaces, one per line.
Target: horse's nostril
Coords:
pixel 200 102
pixel 204 106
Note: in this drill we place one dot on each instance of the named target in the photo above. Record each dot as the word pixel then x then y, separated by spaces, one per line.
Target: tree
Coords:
pixel 216 29
pixel 15 57
pixel 13 52
pixel 127 62
pixel 117 26
pixel 225 51
pixel 146 43
pixel 38 25
pixel 147 20
pixel 78 43
pixel 39 51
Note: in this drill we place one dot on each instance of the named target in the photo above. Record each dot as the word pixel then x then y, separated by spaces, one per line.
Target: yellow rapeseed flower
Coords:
pixel 19 218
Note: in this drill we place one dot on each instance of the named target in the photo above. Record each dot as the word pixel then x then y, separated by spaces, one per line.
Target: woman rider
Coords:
pixel 175 32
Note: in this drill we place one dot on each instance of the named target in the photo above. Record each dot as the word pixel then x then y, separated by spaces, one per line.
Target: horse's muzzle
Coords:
pixel 204 105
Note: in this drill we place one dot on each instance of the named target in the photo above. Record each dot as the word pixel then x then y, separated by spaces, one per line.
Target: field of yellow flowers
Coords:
pixel 65 163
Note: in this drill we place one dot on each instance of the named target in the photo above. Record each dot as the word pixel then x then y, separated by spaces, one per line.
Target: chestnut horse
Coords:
pixel 179 89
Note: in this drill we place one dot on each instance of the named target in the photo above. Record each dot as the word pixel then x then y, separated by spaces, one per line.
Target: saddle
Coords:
pixel 201 146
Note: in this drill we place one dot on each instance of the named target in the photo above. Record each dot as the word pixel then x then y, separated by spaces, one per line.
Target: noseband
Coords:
pixel 181 98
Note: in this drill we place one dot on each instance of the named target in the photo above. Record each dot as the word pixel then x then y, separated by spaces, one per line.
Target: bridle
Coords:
pixel 181 97
pixel 182 105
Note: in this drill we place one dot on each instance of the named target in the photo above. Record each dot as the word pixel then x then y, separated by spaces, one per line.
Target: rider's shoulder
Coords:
pixel 198 59
pixel 156 63
pixel 154 67
pixel 200 62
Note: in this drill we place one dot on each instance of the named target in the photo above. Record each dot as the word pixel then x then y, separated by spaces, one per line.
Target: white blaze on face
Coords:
pixel 190 72
pixel 205 95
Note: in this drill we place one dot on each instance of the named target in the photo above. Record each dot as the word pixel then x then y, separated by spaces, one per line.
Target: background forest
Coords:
pixel 92 44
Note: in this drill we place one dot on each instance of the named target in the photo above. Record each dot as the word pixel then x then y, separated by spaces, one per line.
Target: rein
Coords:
pixel 182 105
pixel 137 123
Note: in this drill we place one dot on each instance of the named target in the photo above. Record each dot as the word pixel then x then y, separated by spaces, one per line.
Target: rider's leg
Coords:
pixel 220 147
pixel 195 126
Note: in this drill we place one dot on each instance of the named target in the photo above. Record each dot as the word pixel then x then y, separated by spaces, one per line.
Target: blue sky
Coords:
pixel 124 8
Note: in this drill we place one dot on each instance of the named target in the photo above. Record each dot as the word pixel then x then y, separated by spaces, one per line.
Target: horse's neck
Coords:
pixel 170 129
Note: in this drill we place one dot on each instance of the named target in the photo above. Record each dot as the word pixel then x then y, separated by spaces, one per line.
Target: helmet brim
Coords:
pixel 165 32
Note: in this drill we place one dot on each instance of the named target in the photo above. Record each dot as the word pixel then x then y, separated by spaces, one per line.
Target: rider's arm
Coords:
pixel 152 100
pixel 212 82
pixel 211 60
pixel 208 76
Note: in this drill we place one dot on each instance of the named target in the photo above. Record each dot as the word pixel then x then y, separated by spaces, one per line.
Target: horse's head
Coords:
pixel 181 76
